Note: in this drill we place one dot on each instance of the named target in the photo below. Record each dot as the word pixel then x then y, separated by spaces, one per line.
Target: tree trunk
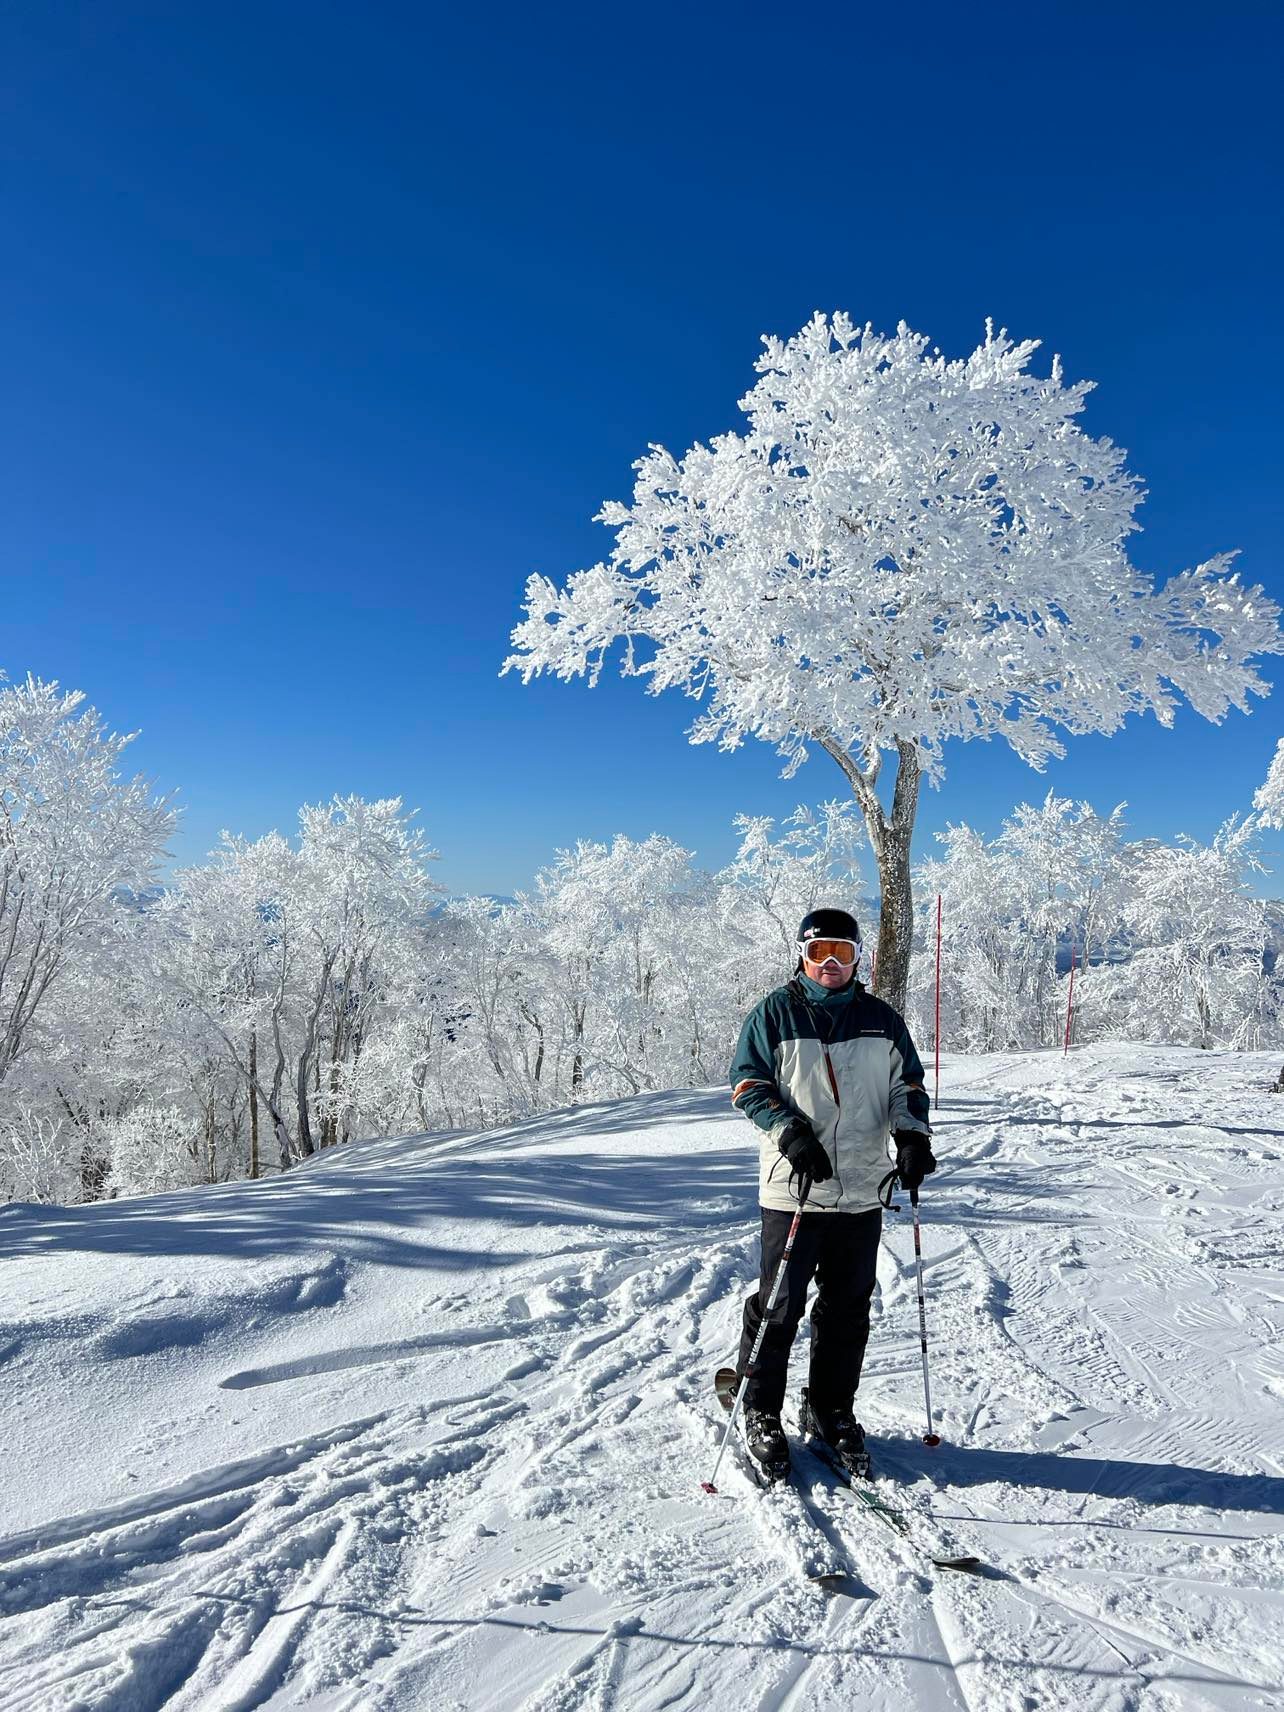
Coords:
pixel 1205 1021
pixel 577 1062
pixel 538 1026
pixel 254 1102
pixel 94 1168
pixel 891 837
pixel 306 1145
pixel 896 924
pixel 211 1138
pixel 308 1064
pixel 285 1146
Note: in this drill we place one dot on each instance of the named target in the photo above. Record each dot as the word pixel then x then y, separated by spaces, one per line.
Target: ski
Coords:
pixel 906 1524
pixel 822 1566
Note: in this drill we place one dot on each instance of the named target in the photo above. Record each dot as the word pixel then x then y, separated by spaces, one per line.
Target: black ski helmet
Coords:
pixel 829 924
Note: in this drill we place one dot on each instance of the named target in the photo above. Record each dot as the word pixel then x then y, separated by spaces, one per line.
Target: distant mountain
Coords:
pixel 495 900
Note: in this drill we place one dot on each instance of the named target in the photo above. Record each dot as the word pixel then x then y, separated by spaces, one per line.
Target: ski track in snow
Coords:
pixel 434 1439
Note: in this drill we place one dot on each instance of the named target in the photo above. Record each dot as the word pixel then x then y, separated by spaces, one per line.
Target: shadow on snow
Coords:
pixel 386 1201
pixel 1159 1483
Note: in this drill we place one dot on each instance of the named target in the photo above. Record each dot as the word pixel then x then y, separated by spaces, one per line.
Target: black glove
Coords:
pixel 914 1159
pixel 804 1152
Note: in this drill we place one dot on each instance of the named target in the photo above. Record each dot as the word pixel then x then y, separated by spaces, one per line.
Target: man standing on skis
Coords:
pixel 826 1071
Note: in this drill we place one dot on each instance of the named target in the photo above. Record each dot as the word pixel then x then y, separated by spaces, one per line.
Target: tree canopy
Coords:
pixel 900 548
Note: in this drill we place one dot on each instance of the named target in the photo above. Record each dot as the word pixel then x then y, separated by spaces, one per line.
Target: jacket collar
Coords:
pixel 818 995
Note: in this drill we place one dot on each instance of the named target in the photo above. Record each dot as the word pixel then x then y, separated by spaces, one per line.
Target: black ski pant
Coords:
pixel 840 1250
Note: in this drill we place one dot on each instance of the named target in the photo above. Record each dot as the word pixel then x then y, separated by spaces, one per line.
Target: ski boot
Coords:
pixel 767 1445
pixel 841 1434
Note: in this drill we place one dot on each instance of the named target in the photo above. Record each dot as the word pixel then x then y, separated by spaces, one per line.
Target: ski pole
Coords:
pixel 930 1437
pixel 804 1189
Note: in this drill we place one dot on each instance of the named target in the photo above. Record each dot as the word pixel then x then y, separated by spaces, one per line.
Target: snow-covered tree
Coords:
pixel 151 1148
pixel 366 892
pixel 227 962
pixel 1170 942
pixel 490 949
pixel 621 929
pixel 286 955
pixel 76 839
pixel 1268 799
pixel 898 550
pixel 1014 907
pixel 38 1162
pixel 777 877
pixel 1197 973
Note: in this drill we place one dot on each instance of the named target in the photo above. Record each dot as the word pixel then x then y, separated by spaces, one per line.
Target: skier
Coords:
pixel 825 1071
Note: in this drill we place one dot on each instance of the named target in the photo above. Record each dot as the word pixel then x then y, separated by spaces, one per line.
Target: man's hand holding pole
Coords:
pixel 801 1147
pixel 914 1159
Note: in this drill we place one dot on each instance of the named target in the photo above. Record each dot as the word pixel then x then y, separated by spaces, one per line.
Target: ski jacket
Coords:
pixel 844 1061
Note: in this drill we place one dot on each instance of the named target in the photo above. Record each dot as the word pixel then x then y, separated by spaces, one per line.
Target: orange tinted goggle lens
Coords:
pixel 841 950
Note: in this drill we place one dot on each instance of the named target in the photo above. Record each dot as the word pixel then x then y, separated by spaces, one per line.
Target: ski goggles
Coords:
pixel 844 951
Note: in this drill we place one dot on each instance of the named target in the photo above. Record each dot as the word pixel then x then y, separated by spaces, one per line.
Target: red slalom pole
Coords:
pixel 936 1098
pixel 931 1436
pixel 804 1189
pixel 1069 1002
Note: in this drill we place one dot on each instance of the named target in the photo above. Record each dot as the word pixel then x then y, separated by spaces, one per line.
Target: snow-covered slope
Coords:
pixel 422 1425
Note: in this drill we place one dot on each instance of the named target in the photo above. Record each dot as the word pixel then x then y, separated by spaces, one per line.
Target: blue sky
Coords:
pixel 328 324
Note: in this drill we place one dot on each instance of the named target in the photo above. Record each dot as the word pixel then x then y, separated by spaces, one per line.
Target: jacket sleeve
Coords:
pixel 908 1106
pixel 754 1090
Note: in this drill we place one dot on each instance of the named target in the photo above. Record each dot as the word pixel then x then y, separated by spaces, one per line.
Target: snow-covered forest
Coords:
pixel 159 1029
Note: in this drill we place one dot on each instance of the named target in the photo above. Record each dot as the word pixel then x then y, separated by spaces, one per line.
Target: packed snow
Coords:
pixel 421 1424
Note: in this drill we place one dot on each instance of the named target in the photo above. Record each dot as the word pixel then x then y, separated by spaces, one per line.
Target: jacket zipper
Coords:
pixel 824 1047
pixel 833 1080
